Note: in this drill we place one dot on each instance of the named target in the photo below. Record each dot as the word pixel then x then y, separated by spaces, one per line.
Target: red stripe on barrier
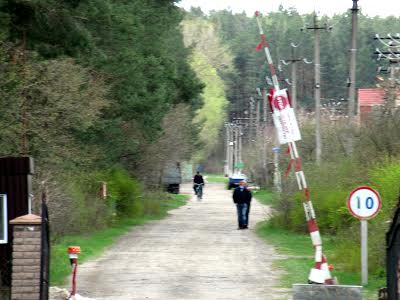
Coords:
pixel 318 265
pixel 298 165
pixel 272 69
pixel 264 41
pixel 312 225
pixel 288 168
pixel 288 150
pixel 307 193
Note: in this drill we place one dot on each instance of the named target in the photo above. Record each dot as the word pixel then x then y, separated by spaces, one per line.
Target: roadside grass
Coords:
pixel 300 254
pixel 215 178
pixel 93 244
pixel 265 197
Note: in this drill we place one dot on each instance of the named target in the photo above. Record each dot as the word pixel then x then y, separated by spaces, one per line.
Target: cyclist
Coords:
pixel 198 183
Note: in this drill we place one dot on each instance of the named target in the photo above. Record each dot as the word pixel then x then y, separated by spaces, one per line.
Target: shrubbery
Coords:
pixel 77 207
pixel 373 161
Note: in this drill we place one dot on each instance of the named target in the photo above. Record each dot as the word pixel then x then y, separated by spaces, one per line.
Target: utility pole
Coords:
pixel 251 120
pixel 392 54
pixel 258 107
pixel 353 56
pixel 240 147
pixel 317 86
pixel 227 141
pixel 293 62
pixel 230 149
pixel 236 145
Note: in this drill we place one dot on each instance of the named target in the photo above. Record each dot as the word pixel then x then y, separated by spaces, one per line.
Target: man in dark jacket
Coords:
pixel 242 198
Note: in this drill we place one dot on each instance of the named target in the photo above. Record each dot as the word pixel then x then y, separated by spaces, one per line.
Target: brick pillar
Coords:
pixel 26 257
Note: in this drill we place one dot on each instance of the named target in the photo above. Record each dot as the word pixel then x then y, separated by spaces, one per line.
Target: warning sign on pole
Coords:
pixel 284 118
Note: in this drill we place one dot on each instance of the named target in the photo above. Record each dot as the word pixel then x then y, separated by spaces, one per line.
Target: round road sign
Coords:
pixel 364 203
pixel 280 101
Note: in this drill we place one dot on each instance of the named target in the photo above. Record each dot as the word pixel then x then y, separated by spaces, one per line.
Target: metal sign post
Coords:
pixel 364 203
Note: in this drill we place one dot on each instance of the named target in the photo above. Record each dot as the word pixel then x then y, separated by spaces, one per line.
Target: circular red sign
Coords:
pixel 364 203
pixel 280 102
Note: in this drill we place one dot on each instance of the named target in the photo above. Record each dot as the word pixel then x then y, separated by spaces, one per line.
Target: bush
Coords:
pixel 330 185
pixel 124 194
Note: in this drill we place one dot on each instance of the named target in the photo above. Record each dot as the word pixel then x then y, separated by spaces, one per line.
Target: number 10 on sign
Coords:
pixel 364 203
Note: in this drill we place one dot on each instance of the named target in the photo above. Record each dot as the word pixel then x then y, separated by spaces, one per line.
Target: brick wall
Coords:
pixel 26 259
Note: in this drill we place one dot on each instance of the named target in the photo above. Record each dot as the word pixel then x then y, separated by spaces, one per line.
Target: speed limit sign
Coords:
pixel 364 203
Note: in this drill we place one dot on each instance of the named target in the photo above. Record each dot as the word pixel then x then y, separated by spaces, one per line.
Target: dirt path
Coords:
pixel 196 253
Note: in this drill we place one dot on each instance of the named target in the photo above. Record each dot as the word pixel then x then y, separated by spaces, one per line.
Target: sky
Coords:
pixel 369 7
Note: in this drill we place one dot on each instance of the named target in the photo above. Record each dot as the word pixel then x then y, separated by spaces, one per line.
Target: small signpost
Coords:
pixel 364 203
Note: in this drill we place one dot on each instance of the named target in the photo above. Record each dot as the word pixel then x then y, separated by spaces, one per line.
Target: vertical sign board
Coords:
pixel 284 118
pixel 364 203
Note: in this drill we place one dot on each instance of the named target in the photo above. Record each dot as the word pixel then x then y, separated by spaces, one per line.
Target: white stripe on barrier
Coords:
pixel 317 276
pixel 303 179
pixel 298 179
pixel 318 253
pixel 325 268
pixel 309 210
pixel 269 58
pixel 312 211
pixel 316 238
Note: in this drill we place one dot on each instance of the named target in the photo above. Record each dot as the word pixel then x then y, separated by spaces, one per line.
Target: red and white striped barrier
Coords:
pixel 321 272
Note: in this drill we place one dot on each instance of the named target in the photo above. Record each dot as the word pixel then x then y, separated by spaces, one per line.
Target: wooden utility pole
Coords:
pixel 317 86
pixel 353 56
pixel 258 107
pixel 251 119
pixel 293 62
pixel 227 135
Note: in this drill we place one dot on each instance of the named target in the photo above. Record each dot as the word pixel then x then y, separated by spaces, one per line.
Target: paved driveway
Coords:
pixel 195 253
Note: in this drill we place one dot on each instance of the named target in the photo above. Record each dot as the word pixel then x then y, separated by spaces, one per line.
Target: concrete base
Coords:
pixel 326 292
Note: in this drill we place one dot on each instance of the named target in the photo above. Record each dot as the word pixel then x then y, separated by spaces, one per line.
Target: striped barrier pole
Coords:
pixel 321 271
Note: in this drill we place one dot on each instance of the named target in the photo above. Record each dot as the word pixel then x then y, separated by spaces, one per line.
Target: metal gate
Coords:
pixel 393 257
pixel 45 256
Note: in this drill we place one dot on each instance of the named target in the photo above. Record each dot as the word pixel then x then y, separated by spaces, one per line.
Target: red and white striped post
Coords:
pixel 321 271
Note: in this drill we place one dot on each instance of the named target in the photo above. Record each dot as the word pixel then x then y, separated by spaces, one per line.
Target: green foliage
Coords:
pixel 212 62
pixel 240 33
pixel 89 85
pixel 330 186
pixel 300 258
pixel 215 178
pixel 264 196
pixel 125 193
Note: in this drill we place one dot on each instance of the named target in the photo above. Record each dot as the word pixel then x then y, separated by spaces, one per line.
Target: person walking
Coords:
pixel 242 198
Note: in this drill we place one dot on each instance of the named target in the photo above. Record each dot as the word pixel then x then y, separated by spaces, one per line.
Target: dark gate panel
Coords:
pixel 393 257
pixel 15 182
pixel 45 256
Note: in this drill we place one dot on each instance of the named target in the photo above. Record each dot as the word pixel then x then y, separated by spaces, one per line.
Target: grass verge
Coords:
pixel 215 178
pixel 300 255
pixel 95 243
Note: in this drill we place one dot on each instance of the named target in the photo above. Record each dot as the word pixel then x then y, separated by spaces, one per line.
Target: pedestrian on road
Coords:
pixel 197 179
pixel 242 198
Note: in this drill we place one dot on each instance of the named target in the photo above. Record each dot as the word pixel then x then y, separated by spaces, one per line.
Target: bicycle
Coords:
pixel 199 190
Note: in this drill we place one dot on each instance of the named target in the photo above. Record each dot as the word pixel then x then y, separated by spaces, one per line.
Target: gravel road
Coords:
pixel 195 253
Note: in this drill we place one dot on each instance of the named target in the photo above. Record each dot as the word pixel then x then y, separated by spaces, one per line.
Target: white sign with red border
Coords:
pixel 364 203
pixel 284 118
